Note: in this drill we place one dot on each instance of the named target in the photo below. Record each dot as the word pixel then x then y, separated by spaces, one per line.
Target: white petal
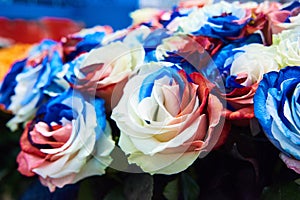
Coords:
pixel 164 163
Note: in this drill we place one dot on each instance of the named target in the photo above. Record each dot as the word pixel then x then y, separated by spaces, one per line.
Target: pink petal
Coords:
pixel 42 135
pixel 27 162
pixel 243 113
pixel 226 127
pixel 26 145
pixel 278 17
pixel 62 133
pixel 193 3
pixel 291 163
pixel 52 183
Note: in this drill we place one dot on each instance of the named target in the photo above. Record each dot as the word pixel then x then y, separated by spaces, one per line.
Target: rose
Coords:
pixel 137 33
pixel 152 41
pixel 191 52
pixel 263 17
pixel 293 19
pixel 287 44
pixel 222 20
pixel 264 7
pixel 188 24
pixel 225 20
pixel 255 60
pixel 136 37
pixel 67 141
pixel 150 16
pixel 246 71
pixel 83 41
pixel 106 69
pixel 276 106
pixel 169 121
pixel 241 69
pixel 194 3
pixel 279 20
pixel 32 80
pixel 157 18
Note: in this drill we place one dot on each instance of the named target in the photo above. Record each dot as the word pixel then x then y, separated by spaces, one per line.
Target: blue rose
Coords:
pixel 32 81
pixel 277 107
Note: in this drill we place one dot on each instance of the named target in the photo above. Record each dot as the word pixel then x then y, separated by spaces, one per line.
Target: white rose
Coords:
pixel 287 44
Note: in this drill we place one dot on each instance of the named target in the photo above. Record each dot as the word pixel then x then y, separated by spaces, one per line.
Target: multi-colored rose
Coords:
pixel 32 81
pixel 277 107
pixel 167 119
pixel 67 141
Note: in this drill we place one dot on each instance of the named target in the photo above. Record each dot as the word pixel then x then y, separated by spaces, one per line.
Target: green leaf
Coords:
pixel 297 181
pixel 115 194
pixel 138 186
pixel 189 186
pixel 171 190
pixel 282 191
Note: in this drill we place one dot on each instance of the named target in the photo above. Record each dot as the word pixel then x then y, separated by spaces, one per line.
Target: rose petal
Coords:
pixel 291 163
pixel 28 162
pixel 173 163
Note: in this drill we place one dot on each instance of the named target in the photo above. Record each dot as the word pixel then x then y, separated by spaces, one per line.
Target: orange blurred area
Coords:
pixel 21 34
pixel 11 54
pixel 33 31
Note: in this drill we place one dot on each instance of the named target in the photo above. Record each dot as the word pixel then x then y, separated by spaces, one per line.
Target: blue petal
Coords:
pixel 288 88
pixel 43 46
pixel 224 28
pixel 285 145
pixel 101 116
pixel 55 110
pixel 9 83
pixel 274 104
pixel 174 14
pixel 72 67
pixel 260 110
pixel 154 39
pixel 295 106
pixel 231 83
pixel 148 83
pixel 292 5
pixel 90 41
pixel 151 56
pixel 287 73
pixel 87 43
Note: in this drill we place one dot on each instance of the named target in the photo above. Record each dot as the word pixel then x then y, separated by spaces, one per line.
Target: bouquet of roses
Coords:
pixel 159 95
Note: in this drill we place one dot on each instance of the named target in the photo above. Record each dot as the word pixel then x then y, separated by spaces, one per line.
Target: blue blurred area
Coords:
pixel 91 12
pixel 36 191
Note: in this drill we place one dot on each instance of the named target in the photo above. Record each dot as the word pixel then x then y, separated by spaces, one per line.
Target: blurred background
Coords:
pixel 90 12
pixel 29 21
pixel 19 19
